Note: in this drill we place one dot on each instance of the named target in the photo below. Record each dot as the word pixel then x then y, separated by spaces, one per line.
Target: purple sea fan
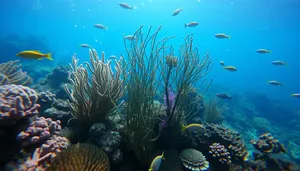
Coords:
pixel 171 98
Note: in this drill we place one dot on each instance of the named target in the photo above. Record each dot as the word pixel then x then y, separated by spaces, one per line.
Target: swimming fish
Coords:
pixel 222 36
pixel 191 24
pixel 222 63
pixel 224 96
pixel 156 162
pixel 277 83
pixel 263 51
pixel 113 57
pixel 192 127
pixel 85 46
pixel 230 68
pixel 100 26
pixel 129 37
pixel 34 54
pixel 278 63
pixel 125 6
pixel 296 95
pixel 177 11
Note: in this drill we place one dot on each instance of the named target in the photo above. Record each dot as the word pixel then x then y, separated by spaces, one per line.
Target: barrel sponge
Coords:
pixel 80 157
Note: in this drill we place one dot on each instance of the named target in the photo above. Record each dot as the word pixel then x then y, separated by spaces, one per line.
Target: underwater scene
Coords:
pixel 150 85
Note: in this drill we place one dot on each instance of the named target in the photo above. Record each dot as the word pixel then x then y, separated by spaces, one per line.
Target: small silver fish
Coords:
pixel 191 24
pixel 222 63
pixel 278 63
pixel 277 83
pixel 113 57
pixel 177 11
pixel 125 6
pixel 129 37
pixel 222 36
pixel 100 26
pixel 263 51
pixel 85 46
pixel 296 95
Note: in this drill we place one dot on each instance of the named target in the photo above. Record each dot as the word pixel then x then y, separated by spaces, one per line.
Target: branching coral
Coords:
pixel 97 88
pixel 10 73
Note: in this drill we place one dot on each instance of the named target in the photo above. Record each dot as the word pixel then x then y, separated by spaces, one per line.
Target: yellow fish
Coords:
pixel 230 68
pixel 192 126
pixel 156 162
pixel 34 54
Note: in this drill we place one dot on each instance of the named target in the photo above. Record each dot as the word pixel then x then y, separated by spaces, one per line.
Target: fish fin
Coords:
pixel 48 56
pixel 285 63
pixel 185 25
pixel 106 28
pixel 39 59
pixel 269 51
pixel 228 37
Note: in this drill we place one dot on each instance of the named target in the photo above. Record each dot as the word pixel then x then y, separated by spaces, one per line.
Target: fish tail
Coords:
pixel 185 25
pixel 269 51
pixel 48 56
pixel 285 63
pixel 228 37
pixel 106 28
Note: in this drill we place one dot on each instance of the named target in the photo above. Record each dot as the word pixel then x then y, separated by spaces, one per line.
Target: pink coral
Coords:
pixel 17 101
pixel 43 155
pixel 39 129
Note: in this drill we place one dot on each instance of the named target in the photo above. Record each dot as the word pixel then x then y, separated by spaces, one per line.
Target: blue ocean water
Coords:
pixel 270 24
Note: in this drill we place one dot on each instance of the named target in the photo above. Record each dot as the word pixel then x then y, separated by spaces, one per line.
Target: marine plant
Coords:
pixel 97 88
pixel 213 112
pixel 141 80
pixel 151 66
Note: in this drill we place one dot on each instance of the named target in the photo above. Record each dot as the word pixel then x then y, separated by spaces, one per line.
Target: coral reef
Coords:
pixel 39 130
pixel 44 154
pixel 17 101
pixel 94 96
pixel 267 144
pixel 81 157
pixel 231 140
pixel 59 110
pixel 108 140
pixel 194 160
pixel 11 73
pixel 219 152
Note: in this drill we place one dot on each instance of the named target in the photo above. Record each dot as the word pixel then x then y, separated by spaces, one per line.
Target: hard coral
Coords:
pixel 81 157
pixel 10 73
pixel 220 152
pixel 267 144
pixel 40 129
pixel 194 160
pixel 43 155
pixel 17 101
pixel 230 139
